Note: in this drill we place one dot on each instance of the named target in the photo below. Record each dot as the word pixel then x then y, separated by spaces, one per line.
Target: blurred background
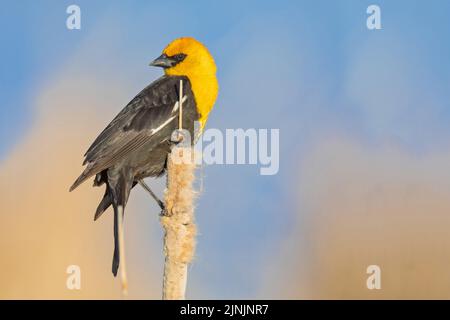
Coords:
pixel 364 148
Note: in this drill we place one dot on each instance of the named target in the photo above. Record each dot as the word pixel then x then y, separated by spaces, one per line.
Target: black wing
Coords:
pixel 135 125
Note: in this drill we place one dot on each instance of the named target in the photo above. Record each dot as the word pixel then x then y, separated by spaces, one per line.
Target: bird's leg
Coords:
pixel 147 188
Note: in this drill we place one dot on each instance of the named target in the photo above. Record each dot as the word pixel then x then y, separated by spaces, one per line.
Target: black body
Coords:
pixel 136 143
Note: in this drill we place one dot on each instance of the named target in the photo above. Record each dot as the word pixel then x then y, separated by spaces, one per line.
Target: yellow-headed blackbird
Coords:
pixel 136 143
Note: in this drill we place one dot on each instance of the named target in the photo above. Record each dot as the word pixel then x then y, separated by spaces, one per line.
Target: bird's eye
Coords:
pixel 179 57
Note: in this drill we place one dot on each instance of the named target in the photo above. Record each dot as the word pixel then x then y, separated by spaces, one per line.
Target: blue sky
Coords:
pixel 35 42
pixel 310 68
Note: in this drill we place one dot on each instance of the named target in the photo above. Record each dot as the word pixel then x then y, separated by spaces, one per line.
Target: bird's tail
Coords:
pixel 106 202
pixel 103 205
pixel 119 191
pixel 116 256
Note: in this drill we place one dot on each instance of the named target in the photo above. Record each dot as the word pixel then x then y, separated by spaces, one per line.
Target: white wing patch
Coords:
pixel 174 109
pixel 177 104
pixel 163 125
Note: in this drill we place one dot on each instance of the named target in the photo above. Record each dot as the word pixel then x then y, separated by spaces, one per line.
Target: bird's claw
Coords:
pixel 164 212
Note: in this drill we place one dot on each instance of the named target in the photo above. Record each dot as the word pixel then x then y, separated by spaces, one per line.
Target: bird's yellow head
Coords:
pixel 184 56
pixel 188 57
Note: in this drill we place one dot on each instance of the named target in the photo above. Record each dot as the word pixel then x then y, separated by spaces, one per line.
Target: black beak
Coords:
pixel 163 61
